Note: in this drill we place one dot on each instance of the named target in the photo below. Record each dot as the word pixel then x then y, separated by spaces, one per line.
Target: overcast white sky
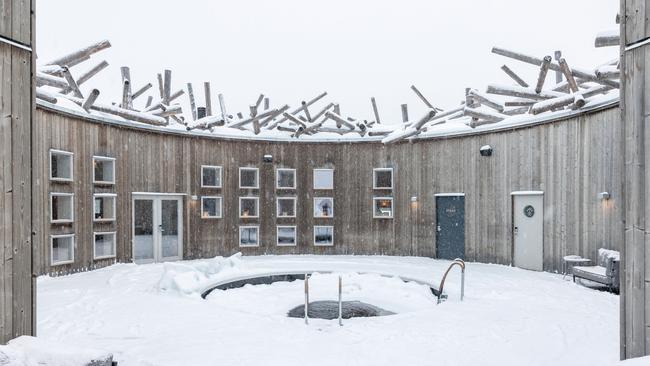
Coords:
pixel 291 50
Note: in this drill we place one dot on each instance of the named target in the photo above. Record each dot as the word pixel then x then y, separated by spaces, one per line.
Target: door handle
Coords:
pixel 438 228
pixel 516 230
pixel 160 227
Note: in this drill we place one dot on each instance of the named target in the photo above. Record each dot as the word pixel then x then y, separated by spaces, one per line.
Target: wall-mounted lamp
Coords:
pixel 486 150
pixel 194 198
pixel 414 202
pixel 268 158
pixel 604 196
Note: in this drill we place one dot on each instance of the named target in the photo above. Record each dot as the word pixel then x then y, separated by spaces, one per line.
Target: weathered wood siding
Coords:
pixel 635 286
pixel 16 105
pixel 570 160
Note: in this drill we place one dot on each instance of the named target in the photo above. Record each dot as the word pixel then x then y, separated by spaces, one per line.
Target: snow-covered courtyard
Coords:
pixel 154 315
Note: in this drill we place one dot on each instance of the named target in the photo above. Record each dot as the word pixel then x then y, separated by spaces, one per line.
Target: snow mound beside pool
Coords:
pixel 187 279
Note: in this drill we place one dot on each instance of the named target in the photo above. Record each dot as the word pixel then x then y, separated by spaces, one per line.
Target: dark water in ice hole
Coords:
pixel 330 310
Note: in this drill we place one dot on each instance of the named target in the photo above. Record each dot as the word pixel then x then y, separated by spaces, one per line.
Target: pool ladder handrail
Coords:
pixel 457 262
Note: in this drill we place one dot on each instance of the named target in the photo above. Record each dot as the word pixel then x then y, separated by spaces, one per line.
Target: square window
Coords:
pixel 323 235
pixel 61 165
pixel 323 178
pixel 61 207
pixel 383 178
pixel 61 249
pixel 104 209
pixel 249 178
pixel 210 176
pixel 382 207
pixel 248 236
pixel 104 170
pixel 323 207
pixel 285 178
pixel 104 245
pixel 286 207
pixel 286 236
pixel 248 207
pixel 211 207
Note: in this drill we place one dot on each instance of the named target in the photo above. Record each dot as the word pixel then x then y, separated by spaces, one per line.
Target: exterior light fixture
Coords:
pixel 194 198
pixel 604 196
pixel 268 158
pixel 486 150
pixel 414 202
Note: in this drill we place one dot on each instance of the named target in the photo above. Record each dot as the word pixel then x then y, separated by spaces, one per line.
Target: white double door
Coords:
pixel 157 228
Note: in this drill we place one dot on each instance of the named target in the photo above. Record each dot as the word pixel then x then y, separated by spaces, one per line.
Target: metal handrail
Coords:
pixel 461 263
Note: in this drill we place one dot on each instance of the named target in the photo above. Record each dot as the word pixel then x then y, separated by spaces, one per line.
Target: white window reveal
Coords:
pixel 103 170
pixel 211 207
pixel 323 235
pixel 210 176
pixel 104 207
pixel 61 249
pixel 285 178
pixel 286 207
pixel 286 236
pixel 323 178
pixel 248 236
pixel 104 245
pixel 61 208
pixel 248 207
pixel 383 178
pixel 61 165
pixel 323 207
pixel 249 178
pixel 382 207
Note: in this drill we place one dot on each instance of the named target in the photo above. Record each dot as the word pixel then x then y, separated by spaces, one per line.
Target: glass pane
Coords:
pixel 383 208
pixel 323 207
pixel 248 178
pixel 169 226
pixel 104 245
pixel 323 235
pixel 383 178
pixel 143 229
pixel 211 207
pixel 248 236
pixel 286 235
pixel 286 207
pixel 323 179
pixel 104 170
pixel 62 249
pixel 104 208
pixel 248 207
pixel 286 179
pixel 61 208
pixel 211 177
pixel 61 166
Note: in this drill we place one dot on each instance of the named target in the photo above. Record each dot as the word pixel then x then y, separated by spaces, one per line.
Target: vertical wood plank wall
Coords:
pixel 570 160
pixel 16 106
pixel 635 286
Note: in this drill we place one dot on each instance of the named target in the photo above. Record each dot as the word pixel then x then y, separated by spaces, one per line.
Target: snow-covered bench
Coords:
pixel 606 272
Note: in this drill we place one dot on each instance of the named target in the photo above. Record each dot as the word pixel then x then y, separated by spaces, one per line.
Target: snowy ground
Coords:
pixel 153 315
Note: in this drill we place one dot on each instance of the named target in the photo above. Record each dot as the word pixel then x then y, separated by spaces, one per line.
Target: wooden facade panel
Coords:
pixel 549 157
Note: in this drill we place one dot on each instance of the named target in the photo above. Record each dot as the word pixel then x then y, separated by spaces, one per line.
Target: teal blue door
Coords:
pixel 450 226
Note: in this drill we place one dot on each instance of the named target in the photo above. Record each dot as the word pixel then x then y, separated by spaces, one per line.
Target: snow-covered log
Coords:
pixel 374 109
pixel 550 104
pixel 543 70
pixel 421 96
pixel 141 91
pixel 124 113
pixel 222 106
pixel 167 87
pixel 564 67
pixel 70 58
pixel 208 98
pixel 309 103
pixel 520 102
pixel 126 88
pixel 428 116
pixel 398 135
pixel 517 91
pixel 207 122
pixel 43 79
pixel 515 111
pixel 486 100
pixel 190 94
pixel 71 82
pixel 294 119
pixel 514 76
pixel 339 120
pixel 608 72
pixel 484 114
pixel 270 118
pixel 42 94
pixel 90 100
pixel 608 38
pixel 168 111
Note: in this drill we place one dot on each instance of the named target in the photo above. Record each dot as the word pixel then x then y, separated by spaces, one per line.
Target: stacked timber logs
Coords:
pixel 571 89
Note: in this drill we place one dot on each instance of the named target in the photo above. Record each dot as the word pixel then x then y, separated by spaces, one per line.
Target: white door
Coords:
pixel 528 230
pixel 157 228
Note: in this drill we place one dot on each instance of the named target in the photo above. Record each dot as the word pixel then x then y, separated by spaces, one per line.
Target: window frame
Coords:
pixel 374 178
pixel 392 207
pixel 104 158
pixel 323 245
pixel 112 195
pixel 295 235
pixel 64 221
pixel 220 198
pixel 277 176
pixel 323 217
pixel 52 237
pixel 257 178
pixel 256 227
pixel 277 206
pixel 220 168
pixel 66 153
pixel 257 207
pixel 114 255
pixel 314 178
